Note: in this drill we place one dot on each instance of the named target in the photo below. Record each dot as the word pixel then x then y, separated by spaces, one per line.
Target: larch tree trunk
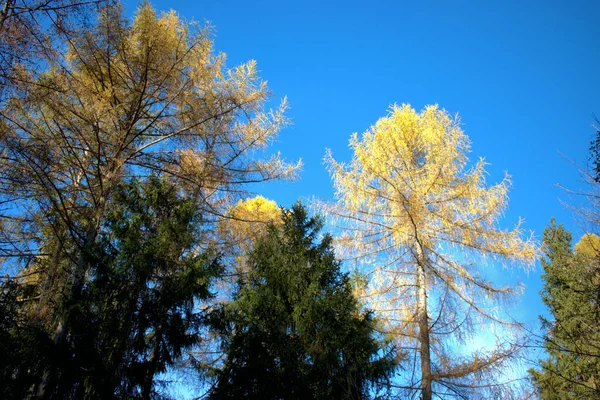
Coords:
pixel 423 322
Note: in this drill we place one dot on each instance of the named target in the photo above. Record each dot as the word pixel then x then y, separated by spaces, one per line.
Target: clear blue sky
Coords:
pixel 523 75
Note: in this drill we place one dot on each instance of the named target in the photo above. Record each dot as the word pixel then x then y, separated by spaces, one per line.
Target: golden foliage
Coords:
pixel 248 220
pixel 410 200
pixel 588 246
pixel 243 223
pixel 150 96
pixel 409 176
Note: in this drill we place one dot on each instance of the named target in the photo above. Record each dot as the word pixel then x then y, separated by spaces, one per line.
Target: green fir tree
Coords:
pixel 572 335
pixel 136 315
pixel 295 330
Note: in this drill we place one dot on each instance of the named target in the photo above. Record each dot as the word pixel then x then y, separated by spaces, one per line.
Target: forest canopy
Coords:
pixel 141 258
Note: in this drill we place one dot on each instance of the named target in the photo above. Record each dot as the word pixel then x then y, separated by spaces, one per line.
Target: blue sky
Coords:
pixel 523 75
pixel 523 78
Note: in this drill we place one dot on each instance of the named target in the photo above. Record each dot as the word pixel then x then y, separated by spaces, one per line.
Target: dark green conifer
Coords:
pixel 572 335
pixel 295 330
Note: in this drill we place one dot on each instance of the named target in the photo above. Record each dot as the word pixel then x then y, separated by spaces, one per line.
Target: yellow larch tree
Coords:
pixel 421 220
pixel 245 222
pixel 588 245
pixel 123 99
pixel 130 99
pixel 134 98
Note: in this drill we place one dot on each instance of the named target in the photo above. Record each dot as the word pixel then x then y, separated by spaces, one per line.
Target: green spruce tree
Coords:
pixel 572 335
pixel 24 345
pixel 136 315
pixel 146 286
pixel 295 329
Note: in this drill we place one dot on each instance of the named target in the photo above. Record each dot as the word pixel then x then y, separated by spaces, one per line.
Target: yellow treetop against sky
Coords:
pixel 409 178
pixel 150 97
pixel 246 221
pixel 410 197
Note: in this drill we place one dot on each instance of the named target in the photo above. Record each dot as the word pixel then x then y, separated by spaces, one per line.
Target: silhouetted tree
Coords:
pixel 137 312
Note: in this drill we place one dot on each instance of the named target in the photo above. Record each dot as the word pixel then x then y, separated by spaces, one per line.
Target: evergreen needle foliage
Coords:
pixel 572 336
pixel 136 314
pixel 295 331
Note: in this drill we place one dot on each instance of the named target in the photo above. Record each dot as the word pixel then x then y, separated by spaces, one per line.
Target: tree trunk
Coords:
pixel 148 379
pixel 423 321
pixel 61 334
pixel 80 268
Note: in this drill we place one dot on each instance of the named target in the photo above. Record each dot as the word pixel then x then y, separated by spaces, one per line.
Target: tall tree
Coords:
pixel 149 279
pixel 572 336
pixel 130 99
pixel 138 311
pixel 420 218
pixel 123 99
pixel 295 329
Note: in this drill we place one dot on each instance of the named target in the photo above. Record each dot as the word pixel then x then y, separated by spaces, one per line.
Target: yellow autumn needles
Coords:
pixel 409 178
pixel 121 100
pixel 247 220
pixel 150 96
pixel 243 223
pixel 410 202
